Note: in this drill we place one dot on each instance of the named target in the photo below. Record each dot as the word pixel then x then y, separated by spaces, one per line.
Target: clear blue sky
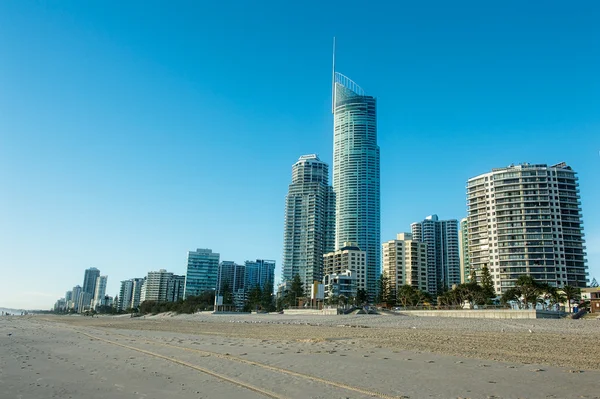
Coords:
pixel 132 132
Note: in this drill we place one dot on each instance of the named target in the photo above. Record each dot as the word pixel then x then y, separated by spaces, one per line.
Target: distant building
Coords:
pixel 85 301
pixel 100 291
pixel 89 284
pixel 309 229
pixel 463 240
pixel 405 262
pixel 74 304
pixel 349 257
pixel 136 292
pixel 443 257
pixel 125 295
pixel 202 272
pixel 60 305
pixel 175 288
pixel 232 277
pixel 527 220
pixel 340 285
pixel 156 285
pixel 259 273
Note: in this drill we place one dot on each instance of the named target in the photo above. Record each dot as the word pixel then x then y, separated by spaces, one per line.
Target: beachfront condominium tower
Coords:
pixel 405 262
pixel 100 290
pixel 527 220
pixel 89 280
pixel 202 272
pixel 356 173
pixel 463 241
pixel 309 221
pixel 259 273
pixel 443 258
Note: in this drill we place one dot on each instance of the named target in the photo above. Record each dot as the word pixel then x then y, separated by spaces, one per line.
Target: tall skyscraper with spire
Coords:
pixel 356 172
pixel 309 221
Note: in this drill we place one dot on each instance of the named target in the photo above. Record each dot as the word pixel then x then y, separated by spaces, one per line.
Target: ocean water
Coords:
pixel 14 312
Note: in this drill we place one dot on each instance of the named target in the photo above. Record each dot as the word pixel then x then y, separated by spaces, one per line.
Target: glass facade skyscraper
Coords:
pixel 443 256
pixel 356 173
pixel 202 272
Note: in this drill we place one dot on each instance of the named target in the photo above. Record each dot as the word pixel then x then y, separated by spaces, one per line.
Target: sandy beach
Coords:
pixel 282 356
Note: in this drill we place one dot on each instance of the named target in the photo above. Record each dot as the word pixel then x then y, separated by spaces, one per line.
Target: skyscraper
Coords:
pixel 443 258
pixel 89 280
pixel 156 285
pixel 232 277
pixel 463 239
pixel 75 293
pixel 100 290
pixel 356 173
pixel 202 272
pixel 259 273
pixel 527 220
pixel 125 295
pixel 309 220
pixel 136 291
pixel 175 288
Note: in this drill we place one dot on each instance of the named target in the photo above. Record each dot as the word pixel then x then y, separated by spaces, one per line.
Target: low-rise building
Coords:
pixel 339 285
pixel 349 257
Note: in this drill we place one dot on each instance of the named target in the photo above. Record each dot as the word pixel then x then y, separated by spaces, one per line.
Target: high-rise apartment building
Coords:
pixel 75 293
pixel 156 285
pixel 405 262
pixel 100 290
pixel 175 288
pixel 309 220
pixel 463 241
pixel 125 294
pixel 202 272
pixel 137 285
pixel 232 277
pixel 443 258
pixel 259 273
pixel 89 280
pixel 527 220
pixel 356 179
pixel 130 293
pixel 349 257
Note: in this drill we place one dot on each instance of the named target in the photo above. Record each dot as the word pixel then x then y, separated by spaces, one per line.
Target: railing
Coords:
pixel 450 307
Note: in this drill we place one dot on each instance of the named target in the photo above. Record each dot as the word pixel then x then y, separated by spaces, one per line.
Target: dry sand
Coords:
pixel 281 356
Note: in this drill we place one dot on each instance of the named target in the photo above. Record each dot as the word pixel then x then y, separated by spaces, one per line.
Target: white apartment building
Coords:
pixel 100 290
pixel 349 257
pixel 526 220
pixel 309 221
pixel 405 262
pixel 340 285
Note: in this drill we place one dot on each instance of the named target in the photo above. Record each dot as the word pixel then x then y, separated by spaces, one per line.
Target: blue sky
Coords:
pixel 132 132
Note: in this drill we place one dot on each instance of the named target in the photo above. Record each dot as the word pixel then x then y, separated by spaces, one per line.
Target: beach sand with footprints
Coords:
pixel 283 356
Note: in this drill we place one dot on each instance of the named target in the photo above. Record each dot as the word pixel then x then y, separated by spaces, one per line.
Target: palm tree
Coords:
pixel 571 293
pixel 511 295
pixel 529 290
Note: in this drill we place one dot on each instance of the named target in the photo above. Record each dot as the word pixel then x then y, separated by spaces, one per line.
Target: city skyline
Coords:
pixel 143 145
